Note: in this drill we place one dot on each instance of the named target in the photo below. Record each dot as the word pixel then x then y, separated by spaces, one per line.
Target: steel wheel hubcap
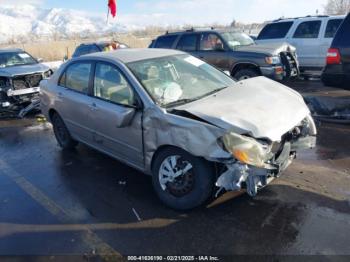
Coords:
pixel 176 176
pixel 244 78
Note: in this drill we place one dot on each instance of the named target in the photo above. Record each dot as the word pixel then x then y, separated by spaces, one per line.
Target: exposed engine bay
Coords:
pixel 20 94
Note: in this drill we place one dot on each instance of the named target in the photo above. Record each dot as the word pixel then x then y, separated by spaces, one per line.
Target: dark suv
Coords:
pixel 234 52
pixel 337 70
pixel 88 48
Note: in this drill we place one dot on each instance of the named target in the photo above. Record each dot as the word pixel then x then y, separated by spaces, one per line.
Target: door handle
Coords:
pixel 93 107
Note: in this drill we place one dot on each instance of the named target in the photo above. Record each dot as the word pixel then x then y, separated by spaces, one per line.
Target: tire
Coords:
pixel 332 82
pixel 245 74
pixel 62 134
pixel 189 190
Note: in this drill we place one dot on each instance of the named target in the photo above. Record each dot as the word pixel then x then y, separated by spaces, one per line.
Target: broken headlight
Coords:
pixel 273 60
pixel 247 150
pixel 47 74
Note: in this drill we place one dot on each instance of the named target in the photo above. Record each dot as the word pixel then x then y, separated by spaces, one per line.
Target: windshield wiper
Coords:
pixel 180 102
pixel 189 100
pixel 212 92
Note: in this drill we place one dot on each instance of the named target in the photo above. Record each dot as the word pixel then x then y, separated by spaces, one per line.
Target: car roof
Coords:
pixel 202 30
pixel 133 55
pixel 97 43
pixel 317 17
pixel 9 50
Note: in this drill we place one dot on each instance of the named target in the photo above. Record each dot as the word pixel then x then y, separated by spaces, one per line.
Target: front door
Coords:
pixel 118 125
pixel 212 50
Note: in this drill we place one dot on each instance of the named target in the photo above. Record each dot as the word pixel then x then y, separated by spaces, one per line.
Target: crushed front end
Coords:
pixel 257 162
pixel 20 93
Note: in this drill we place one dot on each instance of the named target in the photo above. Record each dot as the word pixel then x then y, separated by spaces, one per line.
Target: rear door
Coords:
pixel 212 50
pixel 274 32
pixel 166 41
pixel 73 100
pixel 188 43
pixel 113 99
pixel 306 38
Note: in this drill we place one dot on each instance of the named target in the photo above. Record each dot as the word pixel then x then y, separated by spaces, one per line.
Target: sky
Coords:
pixel 180 12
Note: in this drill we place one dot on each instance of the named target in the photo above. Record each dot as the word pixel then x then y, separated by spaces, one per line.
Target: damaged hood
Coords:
pixel 259 107
pixel 23 70
pixel 268 48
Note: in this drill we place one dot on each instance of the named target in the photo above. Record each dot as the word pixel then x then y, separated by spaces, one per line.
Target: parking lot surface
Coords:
pixel 83 203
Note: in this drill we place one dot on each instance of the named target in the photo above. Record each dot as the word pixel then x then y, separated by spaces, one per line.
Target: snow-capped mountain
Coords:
pixel 28 20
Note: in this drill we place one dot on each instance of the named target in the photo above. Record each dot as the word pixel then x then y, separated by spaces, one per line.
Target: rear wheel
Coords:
pixel 181 180
pixel 243 74
pixel 62 134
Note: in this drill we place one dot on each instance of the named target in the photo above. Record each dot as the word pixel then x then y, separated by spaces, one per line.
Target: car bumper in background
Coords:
pixel 278 73
pixel 25 91
pixel 273 72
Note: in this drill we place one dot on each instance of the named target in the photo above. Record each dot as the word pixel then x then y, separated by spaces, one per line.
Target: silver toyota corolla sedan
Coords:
pixel 170 115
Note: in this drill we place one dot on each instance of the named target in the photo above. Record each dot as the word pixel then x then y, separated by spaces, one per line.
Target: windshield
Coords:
pixel 179 79
pixel 235 39
pixel 16 59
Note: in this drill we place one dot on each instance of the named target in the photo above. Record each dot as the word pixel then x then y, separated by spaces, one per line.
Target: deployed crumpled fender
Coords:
pixel 270 48
pixel 188 134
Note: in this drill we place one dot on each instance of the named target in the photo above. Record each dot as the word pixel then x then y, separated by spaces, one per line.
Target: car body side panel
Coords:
pixel 122 142
pixel 165 129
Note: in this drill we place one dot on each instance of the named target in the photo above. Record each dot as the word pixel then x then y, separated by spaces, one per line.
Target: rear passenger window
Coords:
pixel 310 29
pixel 77 77
pixel 275 30
pixel 165 41
pixel 187 43
pixel 342 38
pixel 332 27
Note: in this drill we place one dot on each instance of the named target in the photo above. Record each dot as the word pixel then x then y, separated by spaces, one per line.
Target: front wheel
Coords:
pixel 244 74
pixel 181 180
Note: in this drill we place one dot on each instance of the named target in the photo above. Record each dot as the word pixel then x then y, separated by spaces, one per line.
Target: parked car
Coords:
pixel 20 75
pixel 88 48
pixel 337 70
pixel 311 35
pixel 175 117
pixel 234 52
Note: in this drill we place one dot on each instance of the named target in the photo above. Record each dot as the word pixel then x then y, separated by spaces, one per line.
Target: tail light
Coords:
pixel 333 56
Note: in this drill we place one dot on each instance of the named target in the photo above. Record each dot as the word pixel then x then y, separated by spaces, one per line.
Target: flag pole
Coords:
pixel 107 14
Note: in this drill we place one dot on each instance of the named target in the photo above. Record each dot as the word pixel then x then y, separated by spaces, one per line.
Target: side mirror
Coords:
pixel 137 103
pixel 227 73
pixel 40 60
pixel 219 47
pixel 125 118
pixel 127 113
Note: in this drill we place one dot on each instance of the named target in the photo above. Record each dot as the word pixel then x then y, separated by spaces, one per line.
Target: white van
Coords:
pixel 311 35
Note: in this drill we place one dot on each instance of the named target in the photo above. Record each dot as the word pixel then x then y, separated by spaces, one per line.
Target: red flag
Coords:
pixel 112 5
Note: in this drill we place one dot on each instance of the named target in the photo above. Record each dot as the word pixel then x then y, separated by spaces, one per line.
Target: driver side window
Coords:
pixel 110 85
pixel 210 42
